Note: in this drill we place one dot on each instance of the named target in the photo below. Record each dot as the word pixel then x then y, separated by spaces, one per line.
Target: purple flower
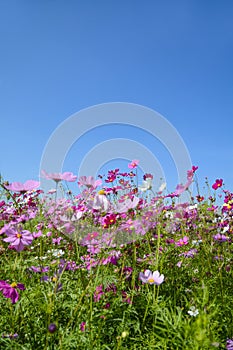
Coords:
pixel 18 239
pixel 229 344
pixel 9 290
pixel 220 238
pixel 52 328
pixel 10 336
pixel 38 269
pixel 23 187
pixel 98 293
pixel 151 277
pixel 57 177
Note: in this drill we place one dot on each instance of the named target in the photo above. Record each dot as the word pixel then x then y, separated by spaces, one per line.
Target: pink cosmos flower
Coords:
pixel 217 184
pixel 151 277
pixel 123 207
pixel 23 187
pixel 133 164
pixel 9 290
pixel 18 239
pixel 57 177
pixel 181 188
pixel 182 241
pixel 89 182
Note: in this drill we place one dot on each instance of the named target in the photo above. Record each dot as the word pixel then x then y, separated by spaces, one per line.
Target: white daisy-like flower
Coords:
pixel 146 185
pixel 56 252
pixel 193 311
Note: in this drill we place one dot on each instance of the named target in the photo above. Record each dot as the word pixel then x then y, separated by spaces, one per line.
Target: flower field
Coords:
pixel 116 266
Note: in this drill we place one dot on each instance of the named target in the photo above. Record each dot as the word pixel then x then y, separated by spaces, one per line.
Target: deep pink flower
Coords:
pixel 9 290
pixel 109 220
pixel 82 326
pixel 133 164
pixel 194 168
pixel 217 184
pixel 57 177
pixel 18 239
pixel 23 187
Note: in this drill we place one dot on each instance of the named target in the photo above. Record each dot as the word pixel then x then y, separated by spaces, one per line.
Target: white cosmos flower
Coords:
pixel 193 311
pixel 56 252
pixel 101 202
pixel 146 185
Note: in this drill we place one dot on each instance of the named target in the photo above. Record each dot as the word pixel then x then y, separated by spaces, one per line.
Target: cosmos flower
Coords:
pixel 218 183
pixel 151 277
pixel 89 182
pixel 133 164
pixel 9 290
pixel 57 177
pixel 193 311
pixel 182 241
pixel 23 187
pixel 18 239
pixel 100 202
pixel 123 207
pixel 146 185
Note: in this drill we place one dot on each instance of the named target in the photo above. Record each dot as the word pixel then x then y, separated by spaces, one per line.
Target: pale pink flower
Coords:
pixel 89 182
pixel 57 177
pixel 151 277
pixel 23 187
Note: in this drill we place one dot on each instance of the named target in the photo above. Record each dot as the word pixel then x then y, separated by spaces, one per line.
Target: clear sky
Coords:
pixel 59 57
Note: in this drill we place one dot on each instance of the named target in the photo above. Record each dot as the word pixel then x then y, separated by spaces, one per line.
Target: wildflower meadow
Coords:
pixel 117 265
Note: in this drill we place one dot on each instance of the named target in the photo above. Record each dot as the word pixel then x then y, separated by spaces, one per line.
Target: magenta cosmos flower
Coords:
pixel 217 184
pixel 57 177
pixel 9 290
pixel 18 239
pixel 151 277
pixel 23 187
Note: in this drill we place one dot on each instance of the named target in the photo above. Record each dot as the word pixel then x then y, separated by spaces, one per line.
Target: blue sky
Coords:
pixel 60 57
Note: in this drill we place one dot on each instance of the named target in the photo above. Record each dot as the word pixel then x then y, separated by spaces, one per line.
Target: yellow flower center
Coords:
pixel 14 284
pixel 151 280
pixel 101 192
pixel 18 235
